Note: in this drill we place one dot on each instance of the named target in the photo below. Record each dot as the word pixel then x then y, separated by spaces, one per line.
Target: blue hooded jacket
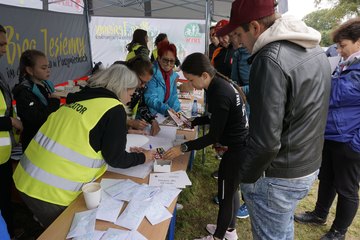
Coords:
pixel 155 93
pixel 343 123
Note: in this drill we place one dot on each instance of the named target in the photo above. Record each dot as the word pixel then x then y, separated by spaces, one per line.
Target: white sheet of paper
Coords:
pixel 139 171
pixel 135 235
pixel 128 194
pixel 167 132
pixel 120 187
pixel 160 118
pixel 145 192
pixel 166 195
pixel 109 209
pixel 116 234
pixel 178 179
pixel 157 142
pixel 83 223
pixel 135 140
pixel 107 182
pixel 133 214
pixel 96 235
pixel 156 213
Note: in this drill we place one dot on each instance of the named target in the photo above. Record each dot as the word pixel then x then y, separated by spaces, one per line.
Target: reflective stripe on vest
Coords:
pixel 48 178
pixel 5 140
pixel 67 153
pixel 60 159
pixel 132 54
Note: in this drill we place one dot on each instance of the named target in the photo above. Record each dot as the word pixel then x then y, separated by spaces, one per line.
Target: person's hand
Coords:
pixel 16 123
pixel 54 95
pixel 140 132
pixel 155 128
pixel 149 155
pixel 172 153
pixel 137 124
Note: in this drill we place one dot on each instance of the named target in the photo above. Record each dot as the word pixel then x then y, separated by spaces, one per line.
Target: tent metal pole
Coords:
pixel 207 30
pixel 87 16
pixel 46 5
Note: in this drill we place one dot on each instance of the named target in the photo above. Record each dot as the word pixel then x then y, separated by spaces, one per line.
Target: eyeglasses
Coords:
pixel 168 61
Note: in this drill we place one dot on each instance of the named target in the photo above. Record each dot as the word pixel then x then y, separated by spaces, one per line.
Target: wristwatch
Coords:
pixel 183 147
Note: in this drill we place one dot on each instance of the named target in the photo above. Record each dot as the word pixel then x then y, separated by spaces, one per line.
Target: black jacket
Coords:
pixel 289 96
pixel 109 134
pixel 223 60
pixel 32 112
pixel 228 123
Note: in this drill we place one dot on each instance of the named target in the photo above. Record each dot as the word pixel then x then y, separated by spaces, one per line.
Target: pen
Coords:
pixel 150 146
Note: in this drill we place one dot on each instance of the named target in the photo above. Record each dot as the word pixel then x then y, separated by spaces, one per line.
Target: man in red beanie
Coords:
pixel 289 96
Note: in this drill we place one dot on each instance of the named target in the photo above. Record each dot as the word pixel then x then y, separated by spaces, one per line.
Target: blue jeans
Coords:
pixel 271 203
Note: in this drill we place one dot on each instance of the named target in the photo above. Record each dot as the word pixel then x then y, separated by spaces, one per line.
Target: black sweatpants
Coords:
pixel 339 174
pixel 6 184
pixel 228 192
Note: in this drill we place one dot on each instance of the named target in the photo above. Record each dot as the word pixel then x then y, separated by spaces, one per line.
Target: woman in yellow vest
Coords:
pixel 138 45
pixel 7 123
pixel 76 142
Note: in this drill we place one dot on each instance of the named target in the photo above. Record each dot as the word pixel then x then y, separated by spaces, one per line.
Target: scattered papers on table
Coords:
pixel 133 214
pixel 166 195
pixel 83 223
pixel 96 235
pixel 178 179
pixel 109 209
pixel 118 234
pixel 156 213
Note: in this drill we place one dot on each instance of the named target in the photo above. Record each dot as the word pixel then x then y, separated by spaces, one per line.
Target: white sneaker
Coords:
pixel 228 235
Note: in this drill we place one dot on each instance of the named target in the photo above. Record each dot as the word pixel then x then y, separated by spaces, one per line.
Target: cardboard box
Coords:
pixel 162 165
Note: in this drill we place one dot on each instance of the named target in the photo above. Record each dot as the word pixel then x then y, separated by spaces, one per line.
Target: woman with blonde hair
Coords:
pixel 76 143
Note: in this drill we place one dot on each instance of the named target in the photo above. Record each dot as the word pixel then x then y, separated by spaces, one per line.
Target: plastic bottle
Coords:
pixel 194 110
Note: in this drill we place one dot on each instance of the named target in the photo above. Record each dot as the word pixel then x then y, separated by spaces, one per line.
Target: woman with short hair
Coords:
pixel 340 167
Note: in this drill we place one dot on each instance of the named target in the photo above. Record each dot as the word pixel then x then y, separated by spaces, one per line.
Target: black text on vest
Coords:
pixel 77 107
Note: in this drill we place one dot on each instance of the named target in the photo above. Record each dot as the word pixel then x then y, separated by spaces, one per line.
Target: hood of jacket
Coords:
pixel 290 29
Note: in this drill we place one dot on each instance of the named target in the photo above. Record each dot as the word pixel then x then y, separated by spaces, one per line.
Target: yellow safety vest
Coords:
pixel 5 140
pixel 60 159
pixel 155 53
pixel 132 54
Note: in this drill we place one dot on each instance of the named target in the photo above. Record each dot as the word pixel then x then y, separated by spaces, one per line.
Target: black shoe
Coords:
pixel 333 235
pixel 309 217
pixel 215 174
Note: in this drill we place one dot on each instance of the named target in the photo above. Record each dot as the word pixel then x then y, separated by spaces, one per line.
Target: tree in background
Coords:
pixel 325 20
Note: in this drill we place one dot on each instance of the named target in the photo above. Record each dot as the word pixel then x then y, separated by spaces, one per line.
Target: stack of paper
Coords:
pixel 177 179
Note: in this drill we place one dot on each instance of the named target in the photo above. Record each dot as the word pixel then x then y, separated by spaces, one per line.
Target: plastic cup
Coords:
pixel 92 194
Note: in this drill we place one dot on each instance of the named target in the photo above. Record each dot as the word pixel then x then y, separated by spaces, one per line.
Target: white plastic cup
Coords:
pixel 92 194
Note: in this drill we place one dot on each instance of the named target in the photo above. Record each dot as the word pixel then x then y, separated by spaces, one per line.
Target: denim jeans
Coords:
pixel 271 203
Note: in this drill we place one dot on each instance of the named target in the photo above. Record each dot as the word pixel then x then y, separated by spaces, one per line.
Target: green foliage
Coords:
pixel 325 20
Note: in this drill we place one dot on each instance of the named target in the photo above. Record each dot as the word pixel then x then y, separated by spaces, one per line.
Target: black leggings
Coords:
pixel 228 192
pixel 5 195
pixel 339 174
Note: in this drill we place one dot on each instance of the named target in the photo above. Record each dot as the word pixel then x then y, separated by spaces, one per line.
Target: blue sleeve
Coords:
pixel 153 98
pixel 4 235
pixel 346 89
pixel 176 105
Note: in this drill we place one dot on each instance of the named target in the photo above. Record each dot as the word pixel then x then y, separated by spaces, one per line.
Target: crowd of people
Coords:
pixel 280 114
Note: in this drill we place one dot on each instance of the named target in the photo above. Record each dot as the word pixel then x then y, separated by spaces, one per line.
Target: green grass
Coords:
pixel 200 210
